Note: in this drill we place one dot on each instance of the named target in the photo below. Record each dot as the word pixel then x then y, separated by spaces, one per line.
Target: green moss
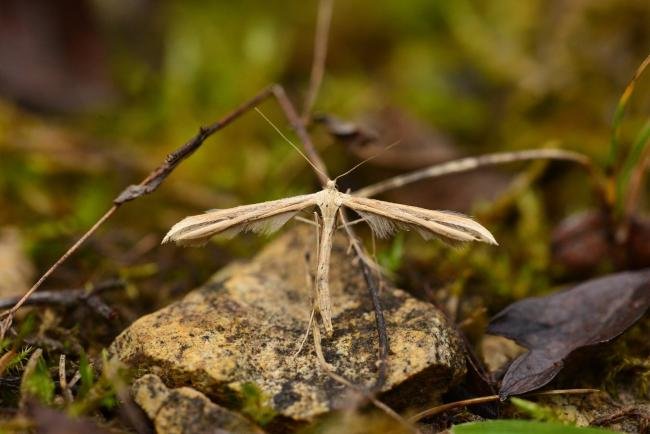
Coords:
pixel 38 383
pixel 255 404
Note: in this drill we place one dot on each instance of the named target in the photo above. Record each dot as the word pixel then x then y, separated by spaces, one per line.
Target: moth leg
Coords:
pixel 327 367
pixel 352 223
pixel 311 285
pixel 304 338
pixel 307 221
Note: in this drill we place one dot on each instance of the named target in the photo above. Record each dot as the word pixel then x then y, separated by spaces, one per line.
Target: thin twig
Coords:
pixel 66 297
pixel 63 381
pixel 148 185
pixel 155 178
pixel 296 123
pixel 471 163
pixel 9 314
pixel 320 55
pixel 373 290
pixel 75 378
pixel 490 398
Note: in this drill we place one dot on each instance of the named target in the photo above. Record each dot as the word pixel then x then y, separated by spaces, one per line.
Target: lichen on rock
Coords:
pixel 246 323
pixel 185 410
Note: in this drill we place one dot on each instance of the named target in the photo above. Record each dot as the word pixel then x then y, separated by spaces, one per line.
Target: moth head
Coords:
pixel 331 184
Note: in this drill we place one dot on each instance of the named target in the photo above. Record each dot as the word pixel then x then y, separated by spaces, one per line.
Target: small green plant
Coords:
pixel 101 391
pixel 534 410
pixel 255 404
pixel 392 258
pixel 17 362
pixel 37 382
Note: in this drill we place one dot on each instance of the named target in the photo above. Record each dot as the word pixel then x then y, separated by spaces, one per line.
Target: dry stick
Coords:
pixel 299 127
pixel 490 398
pixel 63 381
pixel 75 379
pixel 373 289
pixel 321 37
pixel 148 185
pixel 471 163
pixel 69 297
pixel 9 314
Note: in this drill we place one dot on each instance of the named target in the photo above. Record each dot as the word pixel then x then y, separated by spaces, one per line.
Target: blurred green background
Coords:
pixel 94 94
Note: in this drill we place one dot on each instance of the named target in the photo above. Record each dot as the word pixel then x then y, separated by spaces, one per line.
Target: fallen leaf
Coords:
pixel 420 145
pixel 583 241
pixel 352 132
pixel 554 326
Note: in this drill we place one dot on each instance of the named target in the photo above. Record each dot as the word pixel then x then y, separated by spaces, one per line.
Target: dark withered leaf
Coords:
pixel 554 326
pixel 420 144
pixel 583 241
pixel 346 130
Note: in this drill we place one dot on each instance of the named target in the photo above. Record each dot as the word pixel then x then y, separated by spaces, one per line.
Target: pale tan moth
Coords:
pixel 383 217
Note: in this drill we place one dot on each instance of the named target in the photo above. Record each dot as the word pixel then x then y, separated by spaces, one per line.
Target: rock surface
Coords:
pixel 246 323
pixel 184 410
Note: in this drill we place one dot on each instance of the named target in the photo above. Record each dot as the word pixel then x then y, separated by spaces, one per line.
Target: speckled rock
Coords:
pixel 184 410
pixel 246 323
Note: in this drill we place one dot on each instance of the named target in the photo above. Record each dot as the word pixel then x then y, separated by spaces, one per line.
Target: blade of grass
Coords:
pixel 523 426
pixel 633 163
pixel 619 112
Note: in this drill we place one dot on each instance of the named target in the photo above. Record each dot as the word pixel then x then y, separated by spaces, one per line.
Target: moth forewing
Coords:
pixel 264 217
pixel 384 218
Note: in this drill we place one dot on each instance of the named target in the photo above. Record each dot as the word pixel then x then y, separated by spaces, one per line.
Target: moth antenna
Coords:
pixel 372 157
pixel 290 142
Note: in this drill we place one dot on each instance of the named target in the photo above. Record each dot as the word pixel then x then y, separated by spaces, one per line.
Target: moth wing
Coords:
pixel 385 218
pixel 261 218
